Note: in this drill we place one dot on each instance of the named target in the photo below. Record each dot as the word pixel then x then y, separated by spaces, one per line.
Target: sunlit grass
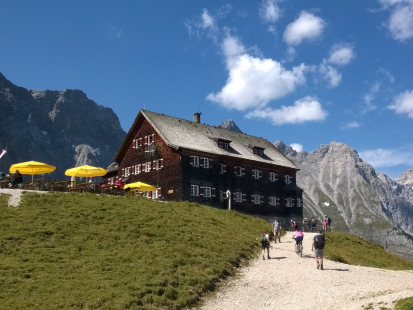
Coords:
pixel 83 251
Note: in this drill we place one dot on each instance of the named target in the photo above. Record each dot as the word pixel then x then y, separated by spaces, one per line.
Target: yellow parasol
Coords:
pixel 140 186
pixel 32 167
pixel 86 171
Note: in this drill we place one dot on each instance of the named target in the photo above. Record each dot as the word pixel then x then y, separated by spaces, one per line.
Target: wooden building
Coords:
pixel 190 161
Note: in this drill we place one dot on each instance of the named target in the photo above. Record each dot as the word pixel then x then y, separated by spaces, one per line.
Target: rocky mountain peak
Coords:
pixel 406 178
pixel 230 125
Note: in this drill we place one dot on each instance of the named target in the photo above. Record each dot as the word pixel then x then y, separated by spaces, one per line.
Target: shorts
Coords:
pixel 298 239
pixel 319 253
pixel 265 245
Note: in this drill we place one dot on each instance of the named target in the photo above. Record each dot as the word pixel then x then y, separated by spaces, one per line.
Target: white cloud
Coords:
pixel 388 157
pixel 341 54
pixel 269 11
pixel 207 20
pixel 403 104
pixel 352 124
pixel 306 27
pixel 400 22
pixel 370 96
pixel 330 74
pixel 297 147
pixel 254 81
pixel 304 110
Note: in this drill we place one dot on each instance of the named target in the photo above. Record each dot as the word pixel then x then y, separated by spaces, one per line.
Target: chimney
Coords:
pixel 197 117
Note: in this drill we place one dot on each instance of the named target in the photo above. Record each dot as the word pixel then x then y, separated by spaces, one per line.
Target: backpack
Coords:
pixel 319 241
pixel 263 239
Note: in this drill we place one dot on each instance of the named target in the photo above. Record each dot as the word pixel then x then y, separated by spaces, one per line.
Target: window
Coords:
pixel 155 194
pixel 239 171
pixel 159 164
pixel 256 174
pixel 207 191
pixel 272 200
pixel 238 196
pixel 148 166
pixel 224 144
pixel 299 202
pixel 150 139
pixel 137 169
pixel 194 161
pixel 287 179
pixel 127 171
pixel 258 151
pixel 205 162
pixel 289 202
pixel 222 168
pixel 256 199
pixel 139 142
pixel 194 190
pixel 273 177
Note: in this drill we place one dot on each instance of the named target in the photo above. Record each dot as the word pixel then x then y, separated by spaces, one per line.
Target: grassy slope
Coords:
pixel 97 252
pixel 83 251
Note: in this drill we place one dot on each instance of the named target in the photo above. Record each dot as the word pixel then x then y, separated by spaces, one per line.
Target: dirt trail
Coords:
pixel 289 282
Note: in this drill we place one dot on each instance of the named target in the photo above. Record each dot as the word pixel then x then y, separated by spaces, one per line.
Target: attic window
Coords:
pixel 224 144
pixel 258 150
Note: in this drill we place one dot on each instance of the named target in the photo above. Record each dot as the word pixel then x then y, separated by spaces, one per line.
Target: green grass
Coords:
pixel 405 304
pixel 83 251
pixel 353 250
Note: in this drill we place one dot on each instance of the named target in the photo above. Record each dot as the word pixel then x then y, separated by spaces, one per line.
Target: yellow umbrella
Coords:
pixel 32 167
pixel 140 186
pixel 86 171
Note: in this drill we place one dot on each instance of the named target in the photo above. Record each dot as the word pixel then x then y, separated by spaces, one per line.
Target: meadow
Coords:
pixel 88 251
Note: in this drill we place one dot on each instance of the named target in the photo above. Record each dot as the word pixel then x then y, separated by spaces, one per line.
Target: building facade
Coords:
pixel 190 161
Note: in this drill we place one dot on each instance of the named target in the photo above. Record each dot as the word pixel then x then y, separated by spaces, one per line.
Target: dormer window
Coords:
pixel 258 150
pixel 223 144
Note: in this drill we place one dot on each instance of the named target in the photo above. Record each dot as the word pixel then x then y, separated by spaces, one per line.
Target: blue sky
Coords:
pixel 303 72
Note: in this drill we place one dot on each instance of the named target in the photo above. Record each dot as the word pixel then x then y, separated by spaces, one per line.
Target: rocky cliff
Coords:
pixel 337 182
pixel 61 128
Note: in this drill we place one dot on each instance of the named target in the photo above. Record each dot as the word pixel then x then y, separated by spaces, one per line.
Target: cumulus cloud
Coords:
pixel 330 74
pixel 303 110
pixel 341 54
pixel 403 104
pixel 269 11
pixel 297 147
pixel 207 22
pixel 388 157
pixel 306 27
pixel 400 22
pixel 253 81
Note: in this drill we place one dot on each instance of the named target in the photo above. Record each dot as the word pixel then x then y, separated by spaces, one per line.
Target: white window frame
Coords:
pixel 299 203
pixel 155 194
pixel 222 168
pixel 137 169
pixel 195 161
pixel 238 171
pixel 205 162
pixel 289 203
pixel 207 192
pixel 256 199
pixel 272 200
pixel 255 174
pixel 287 179
pixel 194 190
pixel 238 197
pixel 148 166
pixel 159 164
pixel 273 176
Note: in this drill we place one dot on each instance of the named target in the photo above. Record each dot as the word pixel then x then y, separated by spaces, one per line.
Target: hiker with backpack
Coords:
pixel 319 241
pixel 328 222
pixel 265 244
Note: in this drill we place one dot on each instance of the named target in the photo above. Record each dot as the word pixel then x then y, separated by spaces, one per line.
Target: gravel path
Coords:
pixel 289 282
pixel 15 198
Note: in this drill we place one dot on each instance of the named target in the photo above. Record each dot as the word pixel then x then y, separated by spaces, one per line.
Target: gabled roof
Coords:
pixel 180 133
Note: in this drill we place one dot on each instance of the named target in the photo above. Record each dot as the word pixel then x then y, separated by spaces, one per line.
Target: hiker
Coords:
pixel 324 225
pixel 265 244
pixel 298 236
pixel 276 230
pixel 328 221
pixel 313 224
pixel 319 242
